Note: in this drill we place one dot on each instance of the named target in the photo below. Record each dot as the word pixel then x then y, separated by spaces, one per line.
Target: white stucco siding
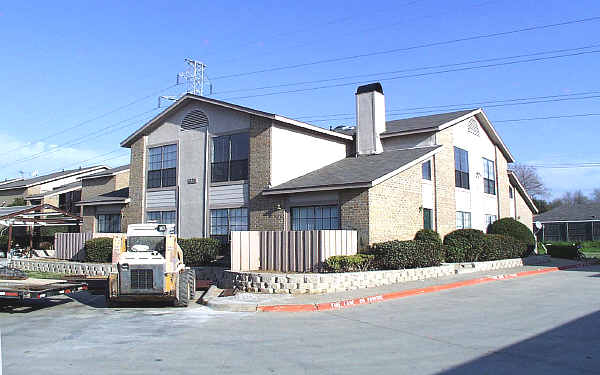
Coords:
pixel 294 153
pixel 408 141
pixel 470 136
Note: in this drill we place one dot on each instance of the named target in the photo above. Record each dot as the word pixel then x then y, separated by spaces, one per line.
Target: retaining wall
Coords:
pixel 68 268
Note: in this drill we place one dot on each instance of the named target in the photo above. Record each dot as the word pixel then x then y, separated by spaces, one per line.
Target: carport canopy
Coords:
pixel 35 216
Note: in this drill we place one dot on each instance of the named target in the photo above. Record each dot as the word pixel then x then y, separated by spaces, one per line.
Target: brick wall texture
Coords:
pixel 134 212
pixel 444 184
pixel 523 212
pixel 96 186
pixel 262 211
pixel 503 184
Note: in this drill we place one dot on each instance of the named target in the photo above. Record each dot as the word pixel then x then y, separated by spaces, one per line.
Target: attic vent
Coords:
pixel 194 120
pixel 473 127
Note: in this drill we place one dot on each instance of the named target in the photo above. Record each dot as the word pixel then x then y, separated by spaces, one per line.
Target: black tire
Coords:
pixel 183 290
pixel 109 302
pixel 192 280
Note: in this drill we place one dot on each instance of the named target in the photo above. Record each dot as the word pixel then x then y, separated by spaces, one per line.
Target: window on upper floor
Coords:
pixel 511 193
pixel 162 166
pixel 230 157
pixel 463 220
pixel 461 168
pixel 489 177
pixel 426 170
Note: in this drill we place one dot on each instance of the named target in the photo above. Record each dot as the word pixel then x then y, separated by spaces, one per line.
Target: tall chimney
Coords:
pixel 370 119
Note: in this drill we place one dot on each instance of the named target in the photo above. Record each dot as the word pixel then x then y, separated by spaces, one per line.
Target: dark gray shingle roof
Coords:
pixel 41 179
pixel 108 172
pixel 575 212
pixel 356 170
pixel 423 122
pixel 120 195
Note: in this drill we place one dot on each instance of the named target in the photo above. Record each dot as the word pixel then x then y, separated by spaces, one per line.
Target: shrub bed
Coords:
pixel 349 263
pixel 471 245
pixel 463 245
pixel 570 251
pixel 513 228
pixel 99 250
pixel 199 251
pixel 395 255
pixel 428 235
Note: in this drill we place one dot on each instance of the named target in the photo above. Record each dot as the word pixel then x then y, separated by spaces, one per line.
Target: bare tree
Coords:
pixel 573 197
pixel 530 179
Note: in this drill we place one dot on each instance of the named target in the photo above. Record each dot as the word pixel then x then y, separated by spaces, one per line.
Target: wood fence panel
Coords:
pixel 70 246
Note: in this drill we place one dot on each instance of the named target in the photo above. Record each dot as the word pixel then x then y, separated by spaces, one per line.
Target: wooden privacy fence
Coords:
pixel 289 251
pixel 70 246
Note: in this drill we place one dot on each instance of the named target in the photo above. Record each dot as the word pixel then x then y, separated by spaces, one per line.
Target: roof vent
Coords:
pixel 473 127
pixel 194 120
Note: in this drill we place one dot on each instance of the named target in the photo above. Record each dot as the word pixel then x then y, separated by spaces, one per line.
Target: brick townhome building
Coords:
pixel 211 166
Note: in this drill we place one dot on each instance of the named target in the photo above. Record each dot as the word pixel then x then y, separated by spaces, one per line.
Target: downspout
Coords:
pixel 206 185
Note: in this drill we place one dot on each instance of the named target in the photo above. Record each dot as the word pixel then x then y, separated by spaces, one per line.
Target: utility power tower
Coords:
pixel 195 79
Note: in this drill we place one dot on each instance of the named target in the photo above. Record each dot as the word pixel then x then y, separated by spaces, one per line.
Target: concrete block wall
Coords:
pixel 281 283
pixel 67 268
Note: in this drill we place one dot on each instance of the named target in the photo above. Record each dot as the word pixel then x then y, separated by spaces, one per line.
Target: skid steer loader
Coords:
pixel 150 267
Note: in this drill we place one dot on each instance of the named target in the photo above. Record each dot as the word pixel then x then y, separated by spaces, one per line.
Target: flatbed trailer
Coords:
pixel 37 288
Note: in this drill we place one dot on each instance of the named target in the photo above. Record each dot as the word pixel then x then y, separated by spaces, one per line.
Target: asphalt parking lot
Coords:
pixel 544 324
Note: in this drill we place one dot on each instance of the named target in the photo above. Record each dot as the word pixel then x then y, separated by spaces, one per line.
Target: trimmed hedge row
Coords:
pixel 99 250
pixel 349 263
pixel 395 255
pixel 511 227
pixel 472 245
pixel 199 251
pixel 564 251
pixel 428 235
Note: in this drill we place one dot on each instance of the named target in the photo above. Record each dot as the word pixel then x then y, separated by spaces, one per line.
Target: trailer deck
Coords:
pixel 37 288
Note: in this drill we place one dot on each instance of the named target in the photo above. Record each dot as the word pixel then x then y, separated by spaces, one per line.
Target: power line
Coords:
pixel 561 166
pixel 409 69
pixel 82 139
pixel 403 49
pixel 550 117
pixel 414 75
pixel 102 115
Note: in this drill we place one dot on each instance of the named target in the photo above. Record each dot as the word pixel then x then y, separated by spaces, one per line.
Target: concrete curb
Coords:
pixel 377 298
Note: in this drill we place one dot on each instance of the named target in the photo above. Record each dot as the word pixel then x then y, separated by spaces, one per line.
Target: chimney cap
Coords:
pixel 376 86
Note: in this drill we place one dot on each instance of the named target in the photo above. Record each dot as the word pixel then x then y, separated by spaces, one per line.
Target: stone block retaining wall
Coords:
pixel 68 268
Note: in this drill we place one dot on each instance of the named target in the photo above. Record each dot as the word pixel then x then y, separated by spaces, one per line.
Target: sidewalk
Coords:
pixel 319 302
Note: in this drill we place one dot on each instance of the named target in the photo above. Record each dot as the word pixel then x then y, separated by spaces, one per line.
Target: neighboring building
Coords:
pixel 104 197
pixel 211 167
pixel 53 188
pixel 570 222
pixel 63 197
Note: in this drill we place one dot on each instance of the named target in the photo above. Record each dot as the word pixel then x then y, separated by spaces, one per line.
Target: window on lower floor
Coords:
pixel 315 217
pixel 162 217
pixel 489 219
pixel 427 218
pixel 223 221
pixel 463 220
pixel 109 223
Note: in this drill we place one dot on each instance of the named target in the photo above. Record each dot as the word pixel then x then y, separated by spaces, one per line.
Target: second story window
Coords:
pixel 510 192
pixel 162 166
pixel 489 177
pixel 426 170
pixel 461 168
pixel 230 158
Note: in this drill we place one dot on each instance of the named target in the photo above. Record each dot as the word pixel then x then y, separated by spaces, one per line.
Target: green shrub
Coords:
pixel 500 246
pixel 99 250
pixel 463 245
pixel 348 263
pixel 564 251
pixel 394 255
pixel 513 228
pixel 428 235
pixel 199 251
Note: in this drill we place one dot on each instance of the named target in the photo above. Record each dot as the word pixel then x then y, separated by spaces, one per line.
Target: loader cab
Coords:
pixel 148 237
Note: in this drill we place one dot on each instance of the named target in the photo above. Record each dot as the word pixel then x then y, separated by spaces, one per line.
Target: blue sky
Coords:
pixel 64 63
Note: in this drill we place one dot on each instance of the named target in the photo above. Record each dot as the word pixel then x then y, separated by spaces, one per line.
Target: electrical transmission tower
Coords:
pixel 195 79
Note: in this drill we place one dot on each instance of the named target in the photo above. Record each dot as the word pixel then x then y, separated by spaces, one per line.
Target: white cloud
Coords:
pixel 15 153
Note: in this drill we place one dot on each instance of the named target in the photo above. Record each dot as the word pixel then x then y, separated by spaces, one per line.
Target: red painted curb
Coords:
pixel 406 293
